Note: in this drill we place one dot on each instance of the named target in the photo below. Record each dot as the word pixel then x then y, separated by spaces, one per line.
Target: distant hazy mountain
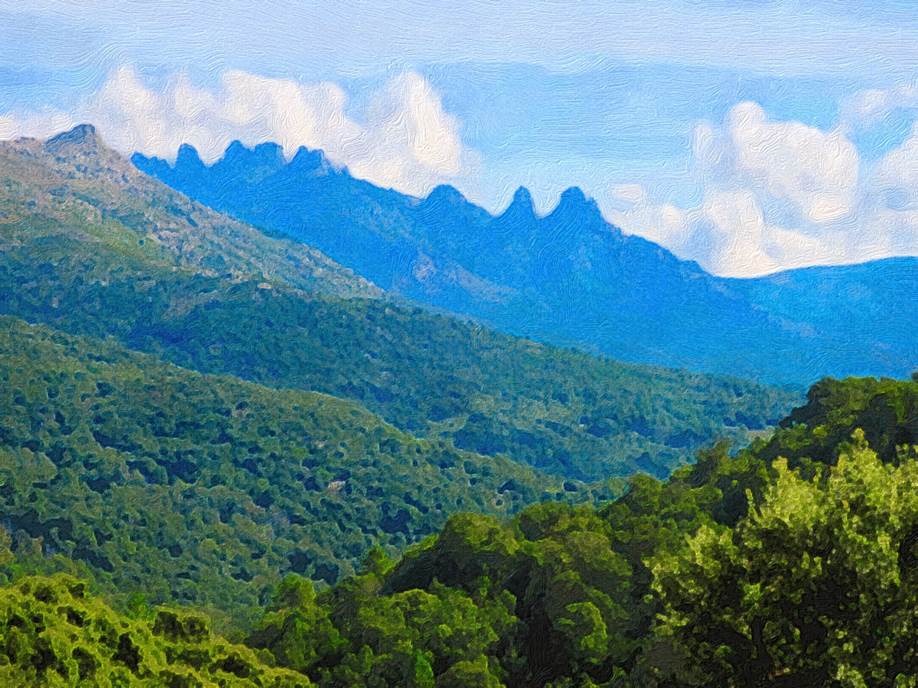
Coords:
pixel 569 277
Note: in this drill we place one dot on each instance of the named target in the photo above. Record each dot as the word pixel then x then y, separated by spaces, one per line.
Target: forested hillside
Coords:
pixel 738 571
pixel 206 490
pixel 75 259
pixel 675 584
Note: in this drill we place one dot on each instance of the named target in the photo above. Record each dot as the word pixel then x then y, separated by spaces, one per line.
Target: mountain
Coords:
pixel 847 305
pixel 92 247
pixel 73 188
pixel 568 277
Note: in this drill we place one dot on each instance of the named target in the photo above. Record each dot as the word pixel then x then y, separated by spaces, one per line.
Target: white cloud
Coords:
pixel 815 172
pixel 781 194
pixel 727 234
pixel 39 124
pixel 895 177
pixel 629 193
pixel 868 107
pixel 407 140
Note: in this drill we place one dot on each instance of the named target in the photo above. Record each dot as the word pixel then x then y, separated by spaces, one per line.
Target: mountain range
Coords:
pixel 93 247
pixel 202 412
pixel 568 277
pixel 193 408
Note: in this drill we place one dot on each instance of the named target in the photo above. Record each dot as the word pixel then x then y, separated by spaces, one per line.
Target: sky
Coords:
pixel 749 136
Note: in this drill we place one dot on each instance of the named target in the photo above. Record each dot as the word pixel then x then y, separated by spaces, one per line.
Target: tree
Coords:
pixel 816 586
pixel 296 630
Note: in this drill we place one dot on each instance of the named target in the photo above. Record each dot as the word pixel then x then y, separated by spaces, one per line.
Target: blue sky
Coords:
pixel 608 96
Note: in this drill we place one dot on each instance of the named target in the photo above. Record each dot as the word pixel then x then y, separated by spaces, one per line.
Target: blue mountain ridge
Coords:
pixel 568 277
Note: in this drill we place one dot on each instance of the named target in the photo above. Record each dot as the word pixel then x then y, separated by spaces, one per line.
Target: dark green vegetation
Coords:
pixel 205 489
pixel 737 572
pixel 674 584
pixel 92 247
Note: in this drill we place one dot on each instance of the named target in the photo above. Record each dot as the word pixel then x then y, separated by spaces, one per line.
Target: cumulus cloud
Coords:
pixel 815 172
pixel 867 108
pixel 782 194
pixel 405 140
pixel 895 177
pixel 40 124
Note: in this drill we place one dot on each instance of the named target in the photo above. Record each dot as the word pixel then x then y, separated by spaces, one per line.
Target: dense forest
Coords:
pixel 744 571
pixel 205 489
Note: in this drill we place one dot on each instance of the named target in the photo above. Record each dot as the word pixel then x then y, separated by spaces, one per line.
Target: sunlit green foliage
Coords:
pixel 54 633
pixel 674 584
pixel 816 586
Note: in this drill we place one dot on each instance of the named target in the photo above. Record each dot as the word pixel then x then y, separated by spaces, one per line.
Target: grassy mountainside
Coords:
pixel 91 252
pixel 205 489
pixel 73 185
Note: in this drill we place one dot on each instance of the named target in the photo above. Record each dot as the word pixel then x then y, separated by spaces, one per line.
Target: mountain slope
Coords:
pixel 847 305
pixel 568 277
pixel 562 411
pixel 206 489
pixel 73 184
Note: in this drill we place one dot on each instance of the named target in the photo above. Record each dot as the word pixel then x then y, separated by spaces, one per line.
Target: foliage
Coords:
pixel 208 489
pixel 885 409
pixel 676 583
pixel 56 634
pixel 816 586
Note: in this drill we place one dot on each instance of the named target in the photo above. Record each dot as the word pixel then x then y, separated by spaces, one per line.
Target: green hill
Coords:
pixel 92 247
pixel 205 489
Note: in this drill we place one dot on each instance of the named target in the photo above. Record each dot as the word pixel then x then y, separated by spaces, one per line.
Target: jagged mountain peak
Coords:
pixel 576 209
pixel 188 156
pixel 522 202
pixel 522 196
pixel 569 276
pixel 269 153
pixel 573 198
pixel 81 136
pixel 310 160
pixel 444 193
